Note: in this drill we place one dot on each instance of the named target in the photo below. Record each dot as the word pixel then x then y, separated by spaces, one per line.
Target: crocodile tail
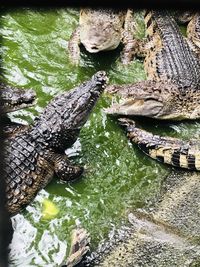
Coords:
pixel 135 134
pixel 169 150
pixel 142 138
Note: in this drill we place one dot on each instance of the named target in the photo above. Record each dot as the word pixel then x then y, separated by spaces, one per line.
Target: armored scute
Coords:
pixel 35 154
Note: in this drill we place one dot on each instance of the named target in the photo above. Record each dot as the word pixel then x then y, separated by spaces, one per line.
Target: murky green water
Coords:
pixel 118 176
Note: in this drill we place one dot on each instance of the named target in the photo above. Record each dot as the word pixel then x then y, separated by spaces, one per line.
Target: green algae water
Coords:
pixel 118 177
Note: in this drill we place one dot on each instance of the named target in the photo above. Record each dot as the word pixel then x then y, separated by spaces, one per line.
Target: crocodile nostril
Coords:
pixel 94 48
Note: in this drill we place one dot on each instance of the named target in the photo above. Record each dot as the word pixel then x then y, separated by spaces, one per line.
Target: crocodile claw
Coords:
pixel 79 247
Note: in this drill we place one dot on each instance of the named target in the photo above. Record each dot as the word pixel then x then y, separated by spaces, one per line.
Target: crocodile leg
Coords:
pixel 132 45
pixel 194 47
pixel 79 247
pixel 64 168
pixel 73 46
pixel 132 48
pixel 193 34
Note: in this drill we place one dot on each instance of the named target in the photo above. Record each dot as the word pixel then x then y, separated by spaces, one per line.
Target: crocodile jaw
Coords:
pixel 95 48
pixel 15 98
pixel 150 108
pixel 160 100
pixel 13 107
pixel 136 107
pixel 102 34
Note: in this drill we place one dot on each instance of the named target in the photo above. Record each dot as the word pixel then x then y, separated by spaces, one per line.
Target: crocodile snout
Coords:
pixel 101 77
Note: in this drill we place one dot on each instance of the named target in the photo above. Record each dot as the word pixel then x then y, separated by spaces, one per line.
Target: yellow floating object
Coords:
pixel 50 210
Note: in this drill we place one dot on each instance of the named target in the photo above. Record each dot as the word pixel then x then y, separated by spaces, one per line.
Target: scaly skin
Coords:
pixel 173 151
pixel 155 238
pixel 34 155
pixel 12 99
pixel 15 98
pixel 172 68
pixel 164 233
pixel 193 32
pixel 183 16
pixel 159 100
pixel 192 19
pixel 102 30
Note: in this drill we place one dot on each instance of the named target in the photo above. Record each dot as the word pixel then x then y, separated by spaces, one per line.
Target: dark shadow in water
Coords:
pixel 102 59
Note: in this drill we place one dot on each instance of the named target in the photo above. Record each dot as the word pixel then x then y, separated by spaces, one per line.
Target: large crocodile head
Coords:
pixel 15 98
pixel 61 121
pixel 159 100
pixel 104 33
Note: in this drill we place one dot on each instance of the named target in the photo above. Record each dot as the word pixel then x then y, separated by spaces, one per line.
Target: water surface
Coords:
pixel 118 176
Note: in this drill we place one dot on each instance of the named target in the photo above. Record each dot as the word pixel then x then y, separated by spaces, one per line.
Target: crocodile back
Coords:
pixel 26 171
pixel 169 55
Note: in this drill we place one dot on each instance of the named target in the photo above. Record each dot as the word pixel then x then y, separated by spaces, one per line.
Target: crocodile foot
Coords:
pixel 79 247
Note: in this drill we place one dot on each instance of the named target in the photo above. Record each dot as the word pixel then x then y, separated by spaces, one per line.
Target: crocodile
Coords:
pixel 35 154
pixel 169 150
pixel 164 233
pixel 193 32
pixel 183 17
pixel 171 90
pixel 192 19
pixel 13 98
pixel 102 30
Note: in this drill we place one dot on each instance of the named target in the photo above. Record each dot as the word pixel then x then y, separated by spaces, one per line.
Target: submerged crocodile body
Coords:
pixel 173 75
pixel 102 30
pixel 34 155
pixel 165 233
